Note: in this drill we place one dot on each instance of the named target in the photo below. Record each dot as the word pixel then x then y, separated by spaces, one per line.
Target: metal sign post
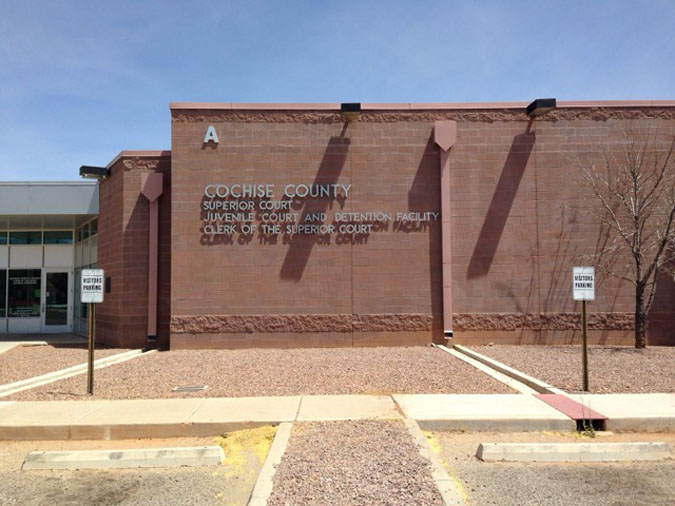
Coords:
pixel 583 289
pixel 92 344
pixel 584 340
pixel 91 293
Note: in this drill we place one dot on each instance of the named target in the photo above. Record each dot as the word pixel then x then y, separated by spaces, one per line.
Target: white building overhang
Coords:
pixel 48 205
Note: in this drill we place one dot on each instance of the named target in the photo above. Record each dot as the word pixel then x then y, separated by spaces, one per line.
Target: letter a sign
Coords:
pixel 210 135
pixel 583 283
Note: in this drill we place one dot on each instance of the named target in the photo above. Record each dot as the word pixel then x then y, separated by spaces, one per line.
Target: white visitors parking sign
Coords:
pixel 583 283
pixel 91 290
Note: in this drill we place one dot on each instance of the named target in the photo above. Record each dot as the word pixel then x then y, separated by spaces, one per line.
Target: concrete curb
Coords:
pixel 126 459
pixel 534 383
pixel 496 425
pixel 186 417
pixel 8 346
pixel 502 378
pixel 572 452
pixel 116 432
pixel 265 482
pixel 44 379
pixel 482 412
pixel 446 486
pixel 655 424
pixel 141 418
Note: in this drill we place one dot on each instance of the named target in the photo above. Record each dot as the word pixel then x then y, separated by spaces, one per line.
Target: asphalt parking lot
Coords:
pixel 227 484
pixel 559 484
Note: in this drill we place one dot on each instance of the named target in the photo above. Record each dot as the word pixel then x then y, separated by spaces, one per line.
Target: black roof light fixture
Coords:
pixel 350 111
pixel 540 107
pixel 91 172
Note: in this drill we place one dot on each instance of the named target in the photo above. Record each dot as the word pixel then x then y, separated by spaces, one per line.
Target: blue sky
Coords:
pixel 82 80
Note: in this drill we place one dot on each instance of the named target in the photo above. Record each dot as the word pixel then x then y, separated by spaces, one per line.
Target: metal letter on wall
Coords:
pixel 211 135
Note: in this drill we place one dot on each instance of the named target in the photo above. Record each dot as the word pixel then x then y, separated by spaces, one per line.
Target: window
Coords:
pixel 87 230
pixel 59 237
pixel 81 311
pixel 25 238
pixel 24 292
pixel 3 237
pixel 3 293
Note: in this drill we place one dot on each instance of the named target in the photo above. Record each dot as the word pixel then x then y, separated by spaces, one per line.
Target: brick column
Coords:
pixel 151 189
pixel 445 136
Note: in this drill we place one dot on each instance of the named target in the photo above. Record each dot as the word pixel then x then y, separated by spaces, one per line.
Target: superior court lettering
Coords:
pixel 250 191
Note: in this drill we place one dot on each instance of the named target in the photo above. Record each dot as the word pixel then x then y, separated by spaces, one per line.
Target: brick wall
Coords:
pixel 123 252
pixel 519 224
pixel 382 287
pixel 522 220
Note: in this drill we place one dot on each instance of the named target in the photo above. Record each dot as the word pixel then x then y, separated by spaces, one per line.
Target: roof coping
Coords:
pixel 374 106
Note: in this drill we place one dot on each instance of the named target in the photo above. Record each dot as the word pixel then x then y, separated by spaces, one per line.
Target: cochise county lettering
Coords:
pixel 250 191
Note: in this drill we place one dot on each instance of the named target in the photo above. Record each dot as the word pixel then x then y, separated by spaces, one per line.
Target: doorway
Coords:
pixel 57 300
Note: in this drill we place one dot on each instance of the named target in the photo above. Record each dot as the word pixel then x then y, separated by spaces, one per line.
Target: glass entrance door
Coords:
pixel 23 300
pixel 57 300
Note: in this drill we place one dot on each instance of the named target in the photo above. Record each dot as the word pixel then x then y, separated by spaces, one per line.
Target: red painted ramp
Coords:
pixel 570 407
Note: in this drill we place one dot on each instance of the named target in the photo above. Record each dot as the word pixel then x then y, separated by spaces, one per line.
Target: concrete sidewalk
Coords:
pixel 43 339
pixel 9 341
pixel 485 412
pixel 8 345
pixel 633 412
pixel 125 419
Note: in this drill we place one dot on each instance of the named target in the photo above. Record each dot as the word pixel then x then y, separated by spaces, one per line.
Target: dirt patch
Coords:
pixel 241 446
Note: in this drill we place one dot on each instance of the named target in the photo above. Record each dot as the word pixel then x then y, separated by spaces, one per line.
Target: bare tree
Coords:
pixel 634 183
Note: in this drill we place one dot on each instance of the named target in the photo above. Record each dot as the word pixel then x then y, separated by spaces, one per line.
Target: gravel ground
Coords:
pixel 242 373
pixel 352 463
pixel 612 369
pixel 24 362
pixel 534 484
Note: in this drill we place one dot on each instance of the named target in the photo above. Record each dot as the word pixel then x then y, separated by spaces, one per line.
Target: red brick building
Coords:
pixel 304 225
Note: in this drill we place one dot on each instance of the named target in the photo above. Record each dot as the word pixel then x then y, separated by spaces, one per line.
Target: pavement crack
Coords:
pixel 189 418
pixel 297 413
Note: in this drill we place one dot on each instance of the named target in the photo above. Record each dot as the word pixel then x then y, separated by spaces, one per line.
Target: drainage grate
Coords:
pixel 597 424
pixel 195 388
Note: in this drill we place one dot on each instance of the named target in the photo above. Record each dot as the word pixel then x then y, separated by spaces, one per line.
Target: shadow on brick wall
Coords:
pixel 661 329
pixel 301 245
pixel 500 206
pixel 425 195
